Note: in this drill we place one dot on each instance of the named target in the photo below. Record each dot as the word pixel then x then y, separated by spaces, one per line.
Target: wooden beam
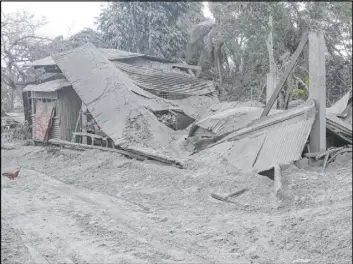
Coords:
pixel 285 75
pixel 317 89
pixel 139 155
pixel 84 122
pixel 122 152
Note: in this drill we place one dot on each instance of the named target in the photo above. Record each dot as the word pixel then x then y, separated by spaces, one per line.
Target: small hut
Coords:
pixel 54 105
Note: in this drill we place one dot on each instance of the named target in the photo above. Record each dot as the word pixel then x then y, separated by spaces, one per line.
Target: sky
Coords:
pixel 64 18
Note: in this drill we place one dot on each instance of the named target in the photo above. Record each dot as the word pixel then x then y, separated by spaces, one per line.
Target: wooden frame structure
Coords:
pixel 317 86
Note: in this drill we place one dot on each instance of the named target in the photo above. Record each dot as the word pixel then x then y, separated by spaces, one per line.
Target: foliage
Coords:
pixel 18 133
pixel 153 28
pixel 300 92
pixel 242 28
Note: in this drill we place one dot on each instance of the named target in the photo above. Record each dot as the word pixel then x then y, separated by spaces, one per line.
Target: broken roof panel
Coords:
pixel 342 128
pixel 229 120
pixel 105 90
pixel 166 81
pixel 50 86
pixel 268 141
pixel 339 118
pixel 340 105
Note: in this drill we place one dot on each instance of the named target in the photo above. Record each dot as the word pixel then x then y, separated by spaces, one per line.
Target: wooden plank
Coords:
pixel 285 75
pixel 67 143
pixel 317 89
pixel 319 155
pixel 226 198
pixel 130 153
pixel 76 126
pixel 84 122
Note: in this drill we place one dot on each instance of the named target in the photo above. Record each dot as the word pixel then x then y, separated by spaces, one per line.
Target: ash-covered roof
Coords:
pixel 111 54
pixel 50 86
pixel 171 83
pixel 109 94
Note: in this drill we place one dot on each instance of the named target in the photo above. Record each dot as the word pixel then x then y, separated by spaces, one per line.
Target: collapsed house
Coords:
pixel 224 118
pixel 263 143
pixel 129 97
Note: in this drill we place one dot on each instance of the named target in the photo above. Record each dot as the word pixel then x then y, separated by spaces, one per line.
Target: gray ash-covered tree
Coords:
pixel 153 28
pixel 18 37
pixel 237 52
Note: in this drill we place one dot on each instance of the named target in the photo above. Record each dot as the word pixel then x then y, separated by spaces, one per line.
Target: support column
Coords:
pixel 317 89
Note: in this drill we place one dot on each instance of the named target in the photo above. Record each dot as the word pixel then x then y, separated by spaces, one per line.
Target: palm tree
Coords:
pixel 206 36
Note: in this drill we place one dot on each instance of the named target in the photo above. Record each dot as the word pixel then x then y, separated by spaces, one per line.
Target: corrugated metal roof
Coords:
pixel 111 54
pixel 50 86
pixel 16 117
pixel 342 128
pixel 166 81
pixel 283 144
pixel 106 91
pixel 339 117
pixel 229 120
pixel 340 105
pixel 272 140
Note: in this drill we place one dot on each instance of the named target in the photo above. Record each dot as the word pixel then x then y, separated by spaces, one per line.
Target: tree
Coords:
pixel 147 27
pixel 18 36
pixel 240 38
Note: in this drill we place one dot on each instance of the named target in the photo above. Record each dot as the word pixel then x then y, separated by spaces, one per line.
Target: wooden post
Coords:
pixel 84 123
pixel 285 75
pixel 271 85
pixel 317 90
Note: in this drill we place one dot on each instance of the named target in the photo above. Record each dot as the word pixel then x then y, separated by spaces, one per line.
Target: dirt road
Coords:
pixel 94 207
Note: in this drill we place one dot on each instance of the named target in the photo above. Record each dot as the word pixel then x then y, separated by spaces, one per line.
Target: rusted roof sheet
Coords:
pixel 50 86
pixel 167 82
pixel 266 142
pixel 111 54
pixel 105 90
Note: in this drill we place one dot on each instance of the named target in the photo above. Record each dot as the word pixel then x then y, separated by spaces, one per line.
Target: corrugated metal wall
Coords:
pixel 55 131
pixel 68 108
